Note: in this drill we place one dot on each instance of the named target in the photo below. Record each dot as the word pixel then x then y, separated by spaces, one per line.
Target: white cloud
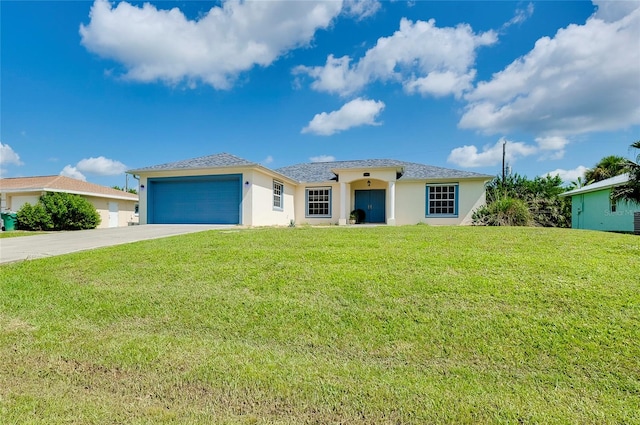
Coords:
pixel 322 158
pixel 552 143
pixel 101 166
pixel 361 9
pixel 583 79
pixel 72 172
pixel 551 147
pixel 469 156
pixel 419 55
pixel 163 45
pixel 613 10
pixel 8 155
pixel 520 16
pixel 569 176
pixel 268 160
pixel 353 114
pixel 335 77
pixel 440 84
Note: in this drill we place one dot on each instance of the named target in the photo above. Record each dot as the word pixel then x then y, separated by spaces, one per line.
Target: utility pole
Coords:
pixel 504 177
pixel 504 151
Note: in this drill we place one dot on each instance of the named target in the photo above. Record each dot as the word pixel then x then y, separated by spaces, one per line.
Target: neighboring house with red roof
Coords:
pixel 116 207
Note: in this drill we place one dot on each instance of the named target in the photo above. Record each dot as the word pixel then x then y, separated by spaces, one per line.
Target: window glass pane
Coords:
pixel 277 194
pixel 318 202
pixel 441 200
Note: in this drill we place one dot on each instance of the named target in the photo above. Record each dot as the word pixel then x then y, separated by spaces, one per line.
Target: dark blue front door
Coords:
pixel 372 202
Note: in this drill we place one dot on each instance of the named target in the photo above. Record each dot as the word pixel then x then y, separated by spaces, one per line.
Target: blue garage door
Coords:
pixel 195 200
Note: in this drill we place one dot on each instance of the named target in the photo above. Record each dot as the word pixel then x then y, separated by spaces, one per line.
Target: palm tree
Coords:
pixel 609 166
pixel 577 183
pixel 630 191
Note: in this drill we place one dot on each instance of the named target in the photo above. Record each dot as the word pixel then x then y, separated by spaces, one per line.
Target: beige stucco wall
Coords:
pixel 126 208
pixel 257 196
pixel 410 205
pixel 357 175
pixel 301 208
pixel 411 201
pixel 263 213
pixel 472 197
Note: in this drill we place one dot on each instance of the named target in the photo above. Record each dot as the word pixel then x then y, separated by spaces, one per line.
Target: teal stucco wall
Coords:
pixel 593 211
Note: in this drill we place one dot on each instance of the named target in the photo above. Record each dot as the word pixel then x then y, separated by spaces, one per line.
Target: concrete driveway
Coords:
pixel 57 243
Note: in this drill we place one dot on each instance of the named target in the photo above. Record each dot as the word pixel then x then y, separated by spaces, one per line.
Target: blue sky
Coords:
pixel 90 89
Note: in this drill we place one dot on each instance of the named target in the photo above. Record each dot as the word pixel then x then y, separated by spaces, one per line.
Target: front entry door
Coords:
pixel 372 202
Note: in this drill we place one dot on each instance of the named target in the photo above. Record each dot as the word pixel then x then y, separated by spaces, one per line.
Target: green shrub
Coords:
pixel 504 212
pixel 59 211
pixel 540 195
pixel 34 217
pixel 359 215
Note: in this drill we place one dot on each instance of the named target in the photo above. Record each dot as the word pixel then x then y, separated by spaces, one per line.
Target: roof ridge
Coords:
pixel 221 159
pixel 336 162
pixel 66 184
pixel 29 177
pixel 57 178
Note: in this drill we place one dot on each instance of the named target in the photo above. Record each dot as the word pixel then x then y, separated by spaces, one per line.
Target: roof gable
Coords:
pixel 62 184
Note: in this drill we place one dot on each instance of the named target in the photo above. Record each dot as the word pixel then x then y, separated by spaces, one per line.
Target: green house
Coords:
pixel 592 207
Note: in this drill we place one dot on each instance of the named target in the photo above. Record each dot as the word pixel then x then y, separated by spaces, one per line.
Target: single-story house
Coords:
pixel 116 207
pixel 225 189
pixel 592 207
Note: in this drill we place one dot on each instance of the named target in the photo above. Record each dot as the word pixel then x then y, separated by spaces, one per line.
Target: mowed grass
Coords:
pixel 386 325
pixel 18 233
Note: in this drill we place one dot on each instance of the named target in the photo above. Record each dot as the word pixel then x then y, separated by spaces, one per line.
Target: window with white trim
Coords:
pixel 442 199
pixel 278 189
pixel 318 202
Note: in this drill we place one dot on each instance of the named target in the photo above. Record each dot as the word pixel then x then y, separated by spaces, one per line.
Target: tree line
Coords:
pixel 515 200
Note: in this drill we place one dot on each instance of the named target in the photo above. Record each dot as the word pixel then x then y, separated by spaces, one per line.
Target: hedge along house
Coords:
pixel 225 189
pixel 116 207
pixel 592 207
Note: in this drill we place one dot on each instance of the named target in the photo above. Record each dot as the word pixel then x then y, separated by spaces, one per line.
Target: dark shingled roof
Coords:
pixel 211 161
pixel 315 172
pixel 321 171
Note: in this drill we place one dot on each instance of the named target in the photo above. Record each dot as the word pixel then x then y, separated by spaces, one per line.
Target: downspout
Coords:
pixel 137 207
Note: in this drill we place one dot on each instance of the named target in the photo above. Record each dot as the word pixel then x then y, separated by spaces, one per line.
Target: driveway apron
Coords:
pixel 58 243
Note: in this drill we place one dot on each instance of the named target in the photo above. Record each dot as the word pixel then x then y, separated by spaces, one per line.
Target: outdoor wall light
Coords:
pixel 141 187
pixel 368 182
pixel 247 183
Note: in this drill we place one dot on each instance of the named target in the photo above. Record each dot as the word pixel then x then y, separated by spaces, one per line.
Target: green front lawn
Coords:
pixel 404 325
pixel 18 233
